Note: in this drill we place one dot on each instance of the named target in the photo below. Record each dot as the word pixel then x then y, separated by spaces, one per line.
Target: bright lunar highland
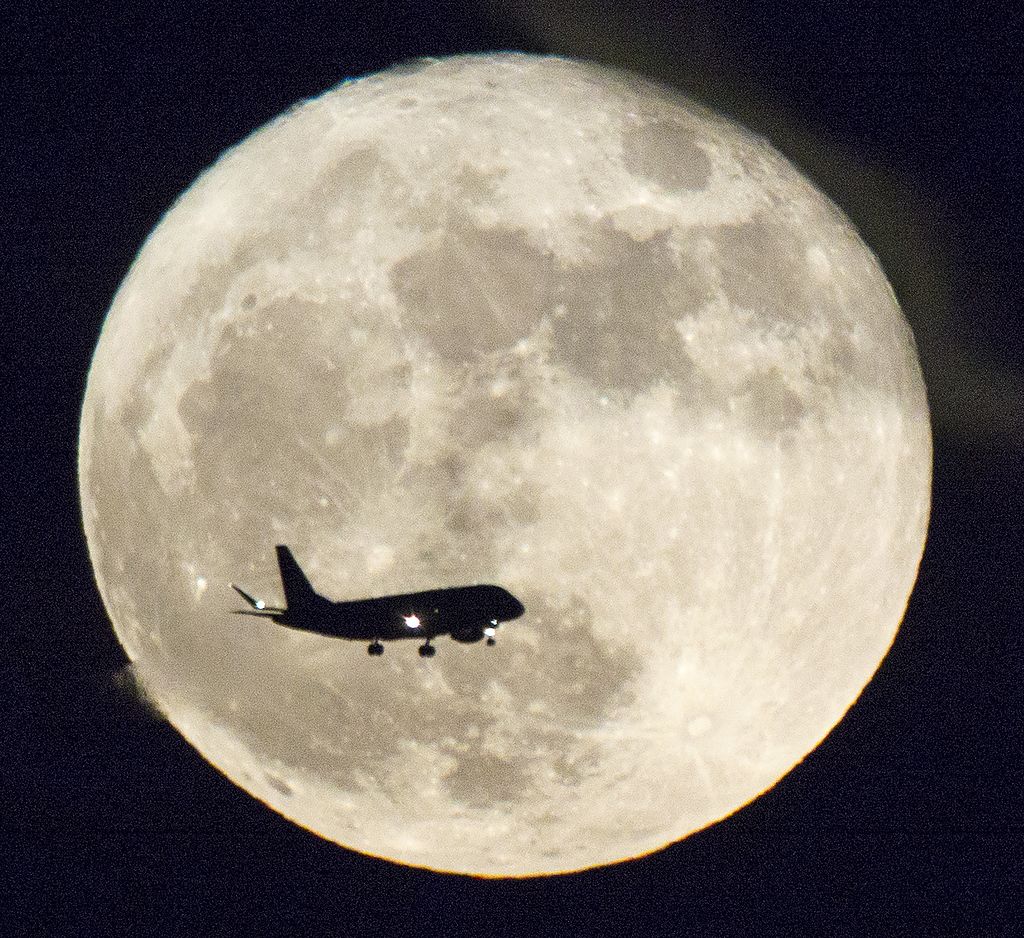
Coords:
pixel 516 320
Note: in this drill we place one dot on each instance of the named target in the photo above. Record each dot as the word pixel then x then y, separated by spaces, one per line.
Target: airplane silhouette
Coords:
pixel 467 613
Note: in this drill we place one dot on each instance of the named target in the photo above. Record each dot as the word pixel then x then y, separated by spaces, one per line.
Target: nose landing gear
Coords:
pixel 375 648
pixel 427 650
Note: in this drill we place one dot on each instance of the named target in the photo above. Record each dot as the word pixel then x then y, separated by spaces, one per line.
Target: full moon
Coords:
pixel 519 320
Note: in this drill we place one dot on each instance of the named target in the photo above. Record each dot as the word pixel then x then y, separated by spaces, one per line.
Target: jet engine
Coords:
pixel 468 634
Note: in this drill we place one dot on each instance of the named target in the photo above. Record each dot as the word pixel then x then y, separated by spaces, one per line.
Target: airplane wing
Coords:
pixel 259 607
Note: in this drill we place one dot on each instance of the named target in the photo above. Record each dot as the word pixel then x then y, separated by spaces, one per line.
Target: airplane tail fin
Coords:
pixel 298 591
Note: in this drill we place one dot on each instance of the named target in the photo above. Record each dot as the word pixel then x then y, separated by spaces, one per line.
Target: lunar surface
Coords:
pixel 515 320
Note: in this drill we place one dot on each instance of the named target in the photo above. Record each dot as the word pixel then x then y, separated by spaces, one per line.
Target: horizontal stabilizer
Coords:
pixel 260 608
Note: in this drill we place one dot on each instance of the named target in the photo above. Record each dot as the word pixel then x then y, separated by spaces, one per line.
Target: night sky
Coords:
pixel 907 820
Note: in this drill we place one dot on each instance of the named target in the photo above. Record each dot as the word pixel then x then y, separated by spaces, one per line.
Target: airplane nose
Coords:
pixel 506 605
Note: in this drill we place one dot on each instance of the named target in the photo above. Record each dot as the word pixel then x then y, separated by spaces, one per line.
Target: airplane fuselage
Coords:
pixel 463 612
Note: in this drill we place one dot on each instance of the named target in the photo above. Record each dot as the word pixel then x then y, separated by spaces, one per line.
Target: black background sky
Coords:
pixel 907 820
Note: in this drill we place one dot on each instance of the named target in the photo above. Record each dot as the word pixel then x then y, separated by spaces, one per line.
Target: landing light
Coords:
pixel 260 604
pixel 489 631
pixel 413 622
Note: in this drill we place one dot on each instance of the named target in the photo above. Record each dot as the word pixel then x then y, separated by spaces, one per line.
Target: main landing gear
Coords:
pixel 376 648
